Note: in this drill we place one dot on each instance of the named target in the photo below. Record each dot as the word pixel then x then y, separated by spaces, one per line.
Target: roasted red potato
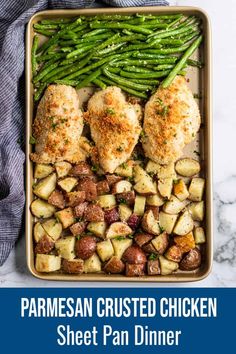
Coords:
pixel 74 266
pixel 153 267
pixel 75 198
pixel 57 199
pixel 149 248
pixel 161 242
pixel 89 187
pixel 133 221
pixel 174 253
pixel 126 198
pixel 114 266
pixel 78 228
pixel 155 210
pixel 80 209
pixel 134 255
pixel 102 187
pixel 185 242
pixel 111 215
pixel 191 261
pixel 93 212
pixel 45 245
pixel 111 179
pixel 85 247
pixel 81 169
pixel 134 270
pixel 142 239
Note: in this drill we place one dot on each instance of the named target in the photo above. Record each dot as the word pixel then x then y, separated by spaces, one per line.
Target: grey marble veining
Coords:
pixel 14 273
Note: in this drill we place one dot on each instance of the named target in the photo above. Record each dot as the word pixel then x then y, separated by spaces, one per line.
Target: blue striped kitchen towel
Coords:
pixel 14 15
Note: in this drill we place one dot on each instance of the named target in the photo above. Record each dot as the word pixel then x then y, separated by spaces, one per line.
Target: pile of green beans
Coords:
pixel 135 52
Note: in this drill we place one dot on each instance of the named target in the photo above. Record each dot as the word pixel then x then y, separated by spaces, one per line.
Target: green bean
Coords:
pixel 195 63
pixel 147 55
pixel 123 81
pixel 169 33
pixel 151 75
pixel 87 40
pixel 111 48
pixel 33 54
pixel 47 78
pixel 80 28
pixel 114 70
pixel 163 67
pixel 49 56
pixel 181 62
pixel 141 62
pixel 118 25
pixel 79 51
pixel 99 83
pixel 108 42
pixel 66 49
pixel 168 50
pixel 145 81
pixel 67 82
pixel 177 20
pixel 56 21
pixel 177 42
pixel 94 32
pixel 45 26
pixel 124 88
pixel 44 72
pixel 136 69
pixel 89 78
pixel 39 92
pixel 44 32
pixel 193 35
pixel 58 34
pixel 52 49
pixel 109 17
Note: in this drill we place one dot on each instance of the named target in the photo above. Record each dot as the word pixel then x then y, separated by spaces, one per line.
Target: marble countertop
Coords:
pixel 14 272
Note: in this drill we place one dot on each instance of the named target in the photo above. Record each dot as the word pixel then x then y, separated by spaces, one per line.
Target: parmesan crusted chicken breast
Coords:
pixel 114 125
pixel 171 121
pixel 58 126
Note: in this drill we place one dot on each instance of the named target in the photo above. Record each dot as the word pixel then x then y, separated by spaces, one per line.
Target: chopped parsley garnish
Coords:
pixel 161 228
pixel 79 219
pixel 164 109
pixel 78 237
pixel 196 95
pixel 152 257
pixel 124 165
pixel 165 141
pixel 66 141
pixel 110 111
pixel 197 152
pixel 120 238
pixel 122 201
pixel 130 236
pixel 120 148
pixel 131 179
pixel 94 168
pixel 54 125
pixel 32 140
pixel 175 181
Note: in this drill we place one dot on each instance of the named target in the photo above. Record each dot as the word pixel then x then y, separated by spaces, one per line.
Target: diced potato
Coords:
pixel 65 247
pixel 124 212
pixel 139 205
pixel 165 187
pixel 187 167
pixel 199 235
pixel 121 187
pixel 67 184
pixel 180 190
pixel 155 200
pixel 42 170
pixel 167 267
pixel 53 228
pixel 105 250
pixel 185 242
pixel 196 189
pixel 98 228
pixel 167 171
pixel 173 206
pixel 118 229
pixel 196 209
pixel 107 201
pixel 139 173
pixel 74 266
pixel 174 253
pixel 92 264
pixel 85 145
pixel 184 224
pixel 66 217
pixel 161 242
pixel 167 221
pixel 47 263
pixel 45 186
pixel 39 232
pixel 120 245
pixel 152 167
pixel 62 168
pixel 145 186
pixel 126 169
pixel 150 224
pixel 42 209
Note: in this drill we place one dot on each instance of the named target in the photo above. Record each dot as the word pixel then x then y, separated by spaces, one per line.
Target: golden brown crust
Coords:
pixel 171 121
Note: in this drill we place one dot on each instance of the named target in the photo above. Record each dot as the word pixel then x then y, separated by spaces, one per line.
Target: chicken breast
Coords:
pixel 171 121
pixel 58 126
pixel 114 125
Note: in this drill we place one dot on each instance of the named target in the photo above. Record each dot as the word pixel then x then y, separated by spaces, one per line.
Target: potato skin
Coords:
pixel 75 198
pixel 89 187
pixel 103 187
pixel 153 267
pixel 142 239
pixel 134 255
pixel 133 221
pixel 56 198
pixel 80 209
pixel 93 212
pixel 134 270
pixel 45 245
pixel 81 169
pixel 149 248
pixel 128 197
pixel 191 261
pixel 111 215
pixel 114 266
pixel 85 247
pixel 155 210
pixel 111 179
pixel 174 253
pixel 73 267
pixel 78 228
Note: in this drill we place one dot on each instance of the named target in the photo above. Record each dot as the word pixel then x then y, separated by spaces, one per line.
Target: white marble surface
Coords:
pixel 223 17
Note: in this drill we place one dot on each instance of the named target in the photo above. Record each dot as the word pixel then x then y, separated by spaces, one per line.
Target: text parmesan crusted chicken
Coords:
pixel 58 126
pixel 171 121
pixel 114 125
